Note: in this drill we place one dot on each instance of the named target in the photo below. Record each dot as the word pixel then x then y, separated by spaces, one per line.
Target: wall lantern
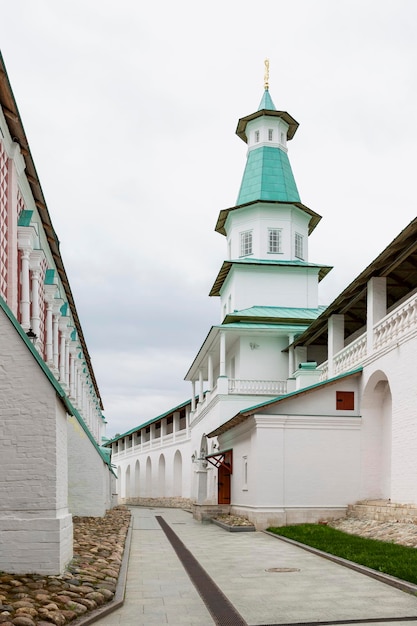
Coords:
pixel 32 336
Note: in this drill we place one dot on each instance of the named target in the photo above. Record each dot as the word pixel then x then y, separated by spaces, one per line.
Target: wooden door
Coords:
pixel 223 479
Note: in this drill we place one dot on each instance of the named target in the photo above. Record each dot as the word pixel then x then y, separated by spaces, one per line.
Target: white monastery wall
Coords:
pixel 35 526
pixel 390 418
pixel 296 468
pixel 89 479
pixel 159 473
pixel 321 402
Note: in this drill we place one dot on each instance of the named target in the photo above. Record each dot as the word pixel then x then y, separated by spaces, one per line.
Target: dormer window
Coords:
pixel 270 134
pixel 256 136
pixel 299 244
pixel 246 243
pixel 274 240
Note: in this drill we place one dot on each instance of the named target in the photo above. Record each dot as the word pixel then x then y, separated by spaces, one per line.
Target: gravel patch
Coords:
pixel 88 583
pixel 403 533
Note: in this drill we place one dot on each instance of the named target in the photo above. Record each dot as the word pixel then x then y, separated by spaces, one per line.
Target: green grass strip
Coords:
pixel 389 558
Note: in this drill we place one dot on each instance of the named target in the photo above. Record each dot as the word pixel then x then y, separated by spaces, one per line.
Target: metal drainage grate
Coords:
pixel 221 609
pixel 281 570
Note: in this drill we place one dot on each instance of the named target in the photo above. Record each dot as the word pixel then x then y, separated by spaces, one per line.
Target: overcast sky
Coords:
pixel 130 109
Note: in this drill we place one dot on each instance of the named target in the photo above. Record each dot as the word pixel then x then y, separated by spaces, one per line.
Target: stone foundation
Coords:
pixel 383 511
pixel 205 512
pixel 262 519
pixel 171 503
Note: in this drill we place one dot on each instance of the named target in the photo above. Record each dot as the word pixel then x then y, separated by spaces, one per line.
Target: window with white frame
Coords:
pixel 246 243
pixel 270 134
pixel 274 240
pixel 257 136
pixel 299 244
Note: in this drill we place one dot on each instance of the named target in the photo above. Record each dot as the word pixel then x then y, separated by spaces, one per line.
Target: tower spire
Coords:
pixel 266 75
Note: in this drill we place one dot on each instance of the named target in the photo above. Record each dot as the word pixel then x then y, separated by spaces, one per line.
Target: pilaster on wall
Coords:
pixel 35 544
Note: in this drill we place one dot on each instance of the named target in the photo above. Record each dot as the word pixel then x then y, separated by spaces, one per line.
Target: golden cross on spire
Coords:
pixel 266 75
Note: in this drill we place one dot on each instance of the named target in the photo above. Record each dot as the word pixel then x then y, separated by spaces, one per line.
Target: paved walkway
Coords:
pixel 159 591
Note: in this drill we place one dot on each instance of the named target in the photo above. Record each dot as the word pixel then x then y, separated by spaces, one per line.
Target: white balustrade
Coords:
pixel 258 387
pixel 396 324
pixel 350 356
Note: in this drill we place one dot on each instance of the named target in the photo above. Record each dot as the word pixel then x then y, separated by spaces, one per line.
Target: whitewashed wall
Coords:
pixel 89 479
pixel 35 525
pixel 302 464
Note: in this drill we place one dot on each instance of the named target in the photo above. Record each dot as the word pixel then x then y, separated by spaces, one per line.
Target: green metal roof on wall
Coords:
pixel 274 313
pixel 148 423
pixel 289 326
pixel 49 277
pixel 268 176
pixel 25 218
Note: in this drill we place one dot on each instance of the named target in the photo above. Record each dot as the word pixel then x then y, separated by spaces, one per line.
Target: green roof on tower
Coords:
pixel 266 102
pixel 268 174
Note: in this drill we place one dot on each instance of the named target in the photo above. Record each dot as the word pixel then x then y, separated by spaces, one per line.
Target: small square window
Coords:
pixel 345 400
pixel 246 243
pixel 274 240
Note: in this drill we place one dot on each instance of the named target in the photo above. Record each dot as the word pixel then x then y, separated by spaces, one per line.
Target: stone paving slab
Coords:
pixel 159 591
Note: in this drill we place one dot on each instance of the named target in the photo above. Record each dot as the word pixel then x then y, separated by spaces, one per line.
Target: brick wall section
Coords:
pixel 35 525
pixel 89 479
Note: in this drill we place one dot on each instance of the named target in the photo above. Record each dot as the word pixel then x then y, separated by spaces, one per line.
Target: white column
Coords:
pixel 49 333
pixel 201 386
pixel 193 395
pixel 67 361
pixel 50 291
pixel 63 356
pixel 25 301
pixel 290 356
pixel 222 354
pixel 336 339
pixel 55 340
pixel 72 375
pixel 376 307
pixel 26 237
pixel 35 316
pixel 210 372
pixel 35 265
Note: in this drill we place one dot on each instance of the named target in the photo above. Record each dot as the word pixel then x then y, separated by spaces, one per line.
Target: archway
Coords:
pixel 127 482
pixel 177 478
pixel 136 491
pixel 161 476
pixel 119 483
pixel 376 437
pixel 148 478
